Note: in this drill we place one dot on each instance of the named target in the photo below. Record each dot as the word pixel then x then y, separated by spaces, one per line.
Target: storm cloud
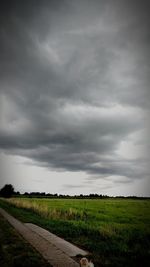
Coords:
pixel 74 85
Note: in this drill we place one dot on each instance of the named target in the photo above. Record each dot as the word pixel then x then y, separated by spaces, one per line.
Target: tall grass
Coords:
pixel 42 208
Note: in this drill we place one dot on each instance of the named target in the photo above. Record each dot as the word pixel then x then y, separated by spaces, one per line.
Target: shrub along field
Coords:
pixel 115 231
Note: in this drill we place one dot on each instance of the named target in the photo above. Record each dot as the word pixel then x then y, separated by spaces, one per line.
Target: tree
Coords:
pixel 7 191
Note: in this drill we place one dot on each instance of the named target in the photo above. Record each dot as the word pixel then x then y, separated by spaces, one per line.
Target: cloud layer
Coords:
pixel 74 84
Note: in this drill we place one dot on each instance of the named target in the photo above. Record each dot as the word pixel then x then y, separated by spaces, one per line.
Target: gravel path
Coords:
pixel 55 250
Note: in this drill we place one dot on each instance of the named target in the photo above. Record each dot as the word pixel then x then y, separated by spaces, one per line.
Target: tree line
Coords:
pixel 8 191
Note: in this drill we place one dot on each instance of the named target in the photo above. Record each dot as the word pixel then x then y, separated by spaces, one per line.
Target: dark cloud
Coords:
pixel 74 82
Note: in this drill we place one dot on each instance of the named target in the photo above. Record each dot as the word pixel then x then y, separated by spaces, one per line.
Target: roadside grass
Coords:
pixel 15 251
pixel 115 231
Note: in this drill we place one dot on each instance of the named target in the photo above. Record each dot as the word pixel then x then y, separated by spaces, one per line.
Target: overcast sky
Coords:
pixel 74 96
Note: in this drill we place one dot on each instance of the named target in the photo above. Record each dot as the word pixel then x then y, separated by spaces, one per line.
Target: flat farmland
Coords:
pixel 115 231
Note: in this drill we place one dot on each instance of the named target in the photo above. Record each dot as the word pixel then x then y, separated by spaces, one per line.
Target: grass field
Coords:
pixel 115 231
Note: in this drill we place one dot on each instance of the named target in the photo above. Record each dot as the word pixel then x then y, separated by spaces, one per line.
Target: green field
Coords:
pixel 115 231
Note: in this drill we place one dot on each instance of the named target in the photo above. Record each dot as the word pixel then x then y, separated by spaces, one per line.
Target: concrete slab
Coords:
pixel 52 253
pixel 65 246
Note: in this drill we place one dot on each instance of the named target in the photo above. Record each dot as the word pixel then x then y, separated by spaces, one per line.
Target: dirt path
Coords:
pixel 55 250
